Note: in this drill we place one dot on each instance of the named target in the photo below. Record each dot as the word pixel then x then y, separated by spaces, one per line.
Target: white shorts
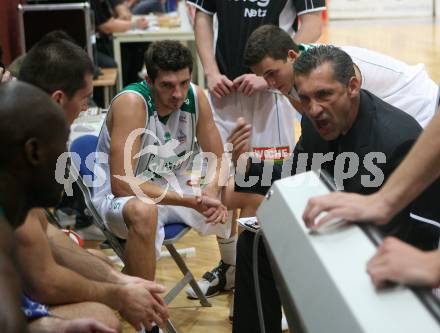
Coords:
pixel 111 209
pixel 272 117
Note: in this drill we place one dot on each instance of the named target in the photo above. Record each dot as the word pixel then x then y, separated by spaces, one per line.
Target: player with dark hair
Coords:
pixel 175 117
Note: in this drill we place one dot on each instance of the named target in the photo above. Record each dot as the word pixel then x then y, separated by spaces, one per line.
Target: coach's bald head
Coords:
pixel 33 133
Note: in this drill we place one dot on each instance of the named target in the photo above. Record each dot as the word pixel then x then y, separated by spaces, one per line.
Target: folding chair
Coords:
pixel 86 145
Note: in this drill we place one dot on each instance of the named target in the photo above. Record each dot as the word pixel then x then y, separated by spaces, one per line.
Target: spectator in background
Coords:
pixel 107 23
pixel 143 7
pixel 121 10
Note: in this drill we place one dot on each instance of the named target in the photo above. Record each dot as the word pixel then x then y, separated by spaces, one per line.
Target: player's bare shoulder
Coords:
pixel 128 108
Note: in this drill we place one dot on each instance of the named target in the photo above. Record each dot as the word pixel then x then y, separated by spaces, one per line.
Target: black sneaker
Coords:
pixel 221 278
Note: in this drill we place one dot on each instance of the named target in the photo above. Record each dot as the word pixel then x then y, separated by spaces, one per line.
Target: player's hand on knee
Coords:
pixel 212 208
pixel 249 84
pixel 240 139
pixel 216 215
pixel 141 304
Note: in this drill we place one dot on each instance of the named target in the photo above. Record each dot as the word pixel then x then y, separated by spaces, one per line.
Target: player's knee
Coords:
pixel 142 218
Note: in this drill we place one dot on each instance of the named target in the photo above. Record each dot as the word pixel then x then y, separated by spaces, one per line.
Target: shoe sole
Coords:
pixel 212 295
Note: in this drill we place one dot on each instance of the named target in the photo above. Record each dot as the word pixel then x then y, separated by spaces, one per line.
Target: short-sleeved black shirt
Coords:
pixel 237 19
pixel 103 10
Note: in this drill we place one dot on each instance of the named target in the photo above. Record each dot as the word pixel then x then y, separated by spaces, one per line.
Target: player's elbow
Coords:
pixel 119 189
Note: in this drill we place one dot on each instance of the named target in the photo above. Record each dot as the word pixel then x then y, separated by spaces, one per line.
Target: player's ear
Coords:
pixel 32 151
pixel 292 55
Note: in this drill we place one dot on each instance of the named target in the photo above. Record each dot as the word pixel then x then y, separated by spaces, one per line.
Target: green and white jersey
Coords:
pixel 168 144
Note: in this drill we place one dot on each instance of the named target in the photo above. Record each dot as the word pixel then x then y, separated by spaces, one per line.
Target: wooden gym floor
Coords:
pixel 411 40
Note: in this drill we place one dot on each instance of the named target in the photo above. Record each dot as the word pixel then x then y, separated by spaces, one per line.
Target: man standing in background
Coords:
pixel 234 92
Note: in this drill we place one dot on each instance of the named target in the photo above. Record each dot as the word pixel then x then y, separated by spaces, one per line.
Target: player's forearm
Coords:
pixel 73 288
pixel 169 197
pixel 152 192
pixel 417 171
pixel 59 285
pixel 310 29
pixel 70 255
pixel 205 42
pixel 101 292
pixel 115 25
pixel 109 294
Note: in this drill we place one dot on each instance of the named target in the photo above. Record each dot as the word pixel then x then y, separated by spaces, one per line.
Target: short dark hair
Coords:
pixel 268 41
pixel 25 111
pixel 343 69
pixel 167 55
pixel 56 62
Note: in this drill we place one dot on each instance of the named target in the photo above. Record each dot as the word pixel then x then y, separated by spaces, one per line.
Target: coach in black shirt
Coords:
pixel 340 118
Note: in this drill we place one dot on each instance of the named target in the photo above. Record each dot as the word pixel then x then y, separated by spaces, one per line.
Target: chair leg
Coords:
pixel 170 327
pixel 187 274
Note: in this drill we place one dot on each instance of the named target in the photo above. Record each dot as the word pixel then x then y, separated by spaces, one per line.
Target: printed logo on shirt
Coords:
pixel 259 3
pixel 182 118
pixel 158 167
pixel 116 205
pixel 181 136
pixel 255 12
pixel 272 153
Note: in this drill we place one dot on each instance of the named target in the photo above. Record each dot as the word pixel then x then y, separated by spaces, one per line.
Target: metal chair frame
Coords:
pixel 118 248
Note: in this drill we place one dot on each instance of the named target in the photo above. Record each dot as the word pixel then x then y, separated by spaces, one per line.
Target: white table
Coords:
pixel 89 122
pixel 184 33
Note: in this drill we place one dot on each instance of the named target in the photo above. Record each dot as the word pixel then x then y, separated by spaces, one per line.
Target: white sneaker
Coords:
pixel 221 278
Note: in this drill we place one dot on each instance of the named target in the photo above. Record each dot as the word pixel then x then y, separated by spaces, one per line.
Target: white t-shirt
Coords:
pixel 408 88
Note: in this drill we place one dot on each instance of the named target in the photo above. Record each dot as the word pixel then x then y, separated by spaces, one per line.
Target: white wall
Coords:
pixel 345 9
